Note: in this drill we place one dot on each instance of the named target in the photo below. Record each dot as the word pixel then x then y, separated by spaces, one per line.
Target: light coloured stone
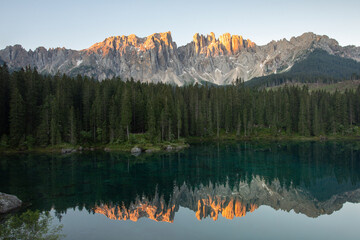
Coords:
pixel 8 202
pixel 136 150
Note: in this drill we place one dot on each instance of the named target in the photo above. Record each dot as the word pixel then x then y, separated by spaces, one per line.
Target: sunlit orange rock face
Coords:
pixel 227 44
pixel 124 44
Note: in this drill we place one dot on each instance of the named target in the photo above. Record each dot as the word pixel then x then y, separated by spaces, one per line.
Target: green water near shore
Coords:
pixel 233 188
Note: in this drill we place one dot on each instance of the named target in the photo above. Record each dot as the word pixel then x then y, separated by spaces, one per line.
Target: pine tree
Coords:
pixel 43 130
pixel 238 130
pixel 126 115
pixel 55 136
pixel 245 121
pixel 209 119
pixel 179 121
pixel 316 122
pixel 217 120
pixel 151 121
pixel 17 117
pixel 72 121
pixel 4 100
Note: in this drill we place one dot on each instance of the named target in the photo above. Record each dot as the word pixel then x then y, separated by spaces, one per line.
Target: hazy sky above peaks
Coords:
pixel 77 24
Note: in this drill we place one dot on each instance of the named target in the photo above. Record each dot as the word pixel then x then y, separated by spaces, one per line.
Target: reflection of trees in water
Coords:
pixel 89 179
pixel 30 225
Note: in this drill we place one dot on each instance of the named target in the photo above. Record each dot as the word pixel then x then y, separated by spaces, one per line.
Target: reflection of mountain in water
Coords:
pixel 210 201
pixel 229 179
pixel 205 202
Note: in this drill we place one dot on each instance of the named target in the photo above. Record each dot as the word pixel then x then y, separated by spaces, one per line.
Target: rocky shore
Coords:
pixel 8 202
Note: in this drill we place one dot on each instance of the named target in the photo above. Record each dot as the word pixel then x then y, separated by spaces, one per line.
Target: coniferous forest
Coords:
pixel 38 110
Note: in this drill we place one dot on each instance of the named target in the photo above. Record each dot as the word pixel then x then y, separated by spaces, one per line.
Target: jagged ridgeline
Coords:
pixel 210 179
pixel 43 111
pixel 318 67
pixel 157 58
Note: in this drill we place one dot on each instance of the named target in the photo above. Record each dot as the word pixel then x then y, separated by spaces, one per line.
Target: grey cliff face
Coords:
pixel 157 58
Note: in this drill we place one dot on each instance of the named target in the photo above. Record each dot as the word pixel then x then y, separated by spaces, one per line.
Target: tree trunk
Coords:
pixel 169 129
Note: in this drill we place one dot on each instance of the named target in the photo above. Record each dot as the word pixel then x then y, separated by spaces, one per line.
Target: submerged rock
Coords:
pixel 136 150
pixel 151 150
pixel 169 148
pixel 8 202
pixel 67 150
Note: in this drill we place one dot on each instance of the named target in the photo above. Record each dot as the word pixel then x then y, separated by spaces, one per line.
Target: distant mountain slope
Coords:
pixel 157 58
pixel 318 66
pixel 341 86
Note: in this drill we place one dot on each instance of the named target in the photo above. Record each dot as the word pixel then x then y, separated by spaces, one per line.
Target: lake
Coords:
pixel 248 190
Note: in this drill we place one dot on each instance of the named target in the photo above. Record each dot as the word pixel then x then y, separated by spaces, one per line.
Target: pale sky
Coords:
pixel 77 24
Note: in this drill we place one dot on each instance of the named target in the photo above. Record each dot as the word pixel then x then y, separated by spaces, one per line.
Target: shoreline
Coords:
pixel 170 146
pixel 272 138
pixel 125 147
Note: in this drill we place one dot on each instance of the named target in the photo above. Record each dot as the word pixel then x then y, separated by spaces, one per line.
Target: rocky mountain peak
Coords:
pixel 156 58
pixel 227 44
pixel 123 44
pixel 163 38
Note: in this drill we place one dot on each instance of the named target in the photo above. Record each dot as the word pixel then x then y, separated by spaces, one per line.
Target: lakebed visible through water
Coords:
pixel 250 190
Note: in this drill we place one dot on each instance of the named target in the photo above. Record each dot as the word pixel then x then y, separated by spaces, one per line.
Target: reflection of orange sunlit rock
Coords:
pixel 158 211
pixel 227 208
pixel 214 200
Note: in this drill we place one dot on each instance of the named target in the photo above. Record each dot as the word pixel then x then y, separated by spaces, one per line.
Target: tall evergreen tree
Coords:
pixel 126 113
pixel 17 117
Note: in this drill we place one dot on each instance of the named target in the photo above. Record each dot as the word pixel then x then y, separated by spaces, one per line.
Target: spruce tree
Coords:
pixel 17 117
pixel 151 121
pixel 126 113
pixel 72 121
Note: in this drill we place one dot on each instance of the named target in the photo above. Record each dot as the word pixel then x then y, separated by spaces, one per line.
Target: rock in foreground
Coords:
pixel 8 202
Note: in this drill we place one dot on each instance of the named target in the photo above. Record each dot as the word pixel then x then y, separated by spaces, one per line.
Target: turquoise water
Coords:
pixel 257 190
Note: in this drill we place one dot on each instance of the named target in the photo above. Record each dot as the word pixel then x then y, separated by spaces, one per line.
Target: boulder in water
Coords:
pixel 8 202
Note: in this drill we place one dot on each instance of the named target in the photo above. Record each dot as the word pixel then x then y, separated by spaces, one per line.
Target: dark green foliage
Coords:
pixel 17 117
pixel 126 113
pixel 30 225
pixel 43 111
pixel 4 100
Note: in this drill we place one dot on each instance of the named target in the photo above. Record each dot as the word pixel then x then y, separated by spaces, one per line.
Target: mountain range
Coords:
pixel 157 58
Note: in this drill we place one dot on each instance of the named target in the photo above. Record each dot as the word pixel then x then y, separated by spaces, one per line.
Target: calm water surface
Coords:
pixel 296 190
